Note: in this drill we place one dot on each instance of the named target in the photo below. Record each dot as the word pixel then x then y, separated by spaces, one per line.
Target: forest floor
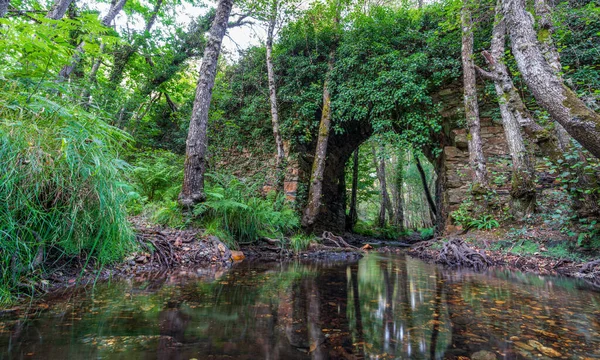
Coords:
pixel 541 251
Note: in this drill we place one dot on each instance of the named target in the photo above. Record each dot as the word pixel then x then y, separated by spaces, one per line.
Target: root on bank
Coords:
pixel 456 253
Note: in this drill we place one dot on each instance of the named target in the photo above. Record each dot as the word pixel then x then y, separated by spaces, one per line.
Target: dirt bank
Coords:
pixel 478 251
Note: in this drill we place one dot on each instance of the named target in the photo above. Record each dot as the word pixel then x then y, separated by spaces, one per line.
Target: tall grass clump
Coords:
pixel 62 193
pixel 241 215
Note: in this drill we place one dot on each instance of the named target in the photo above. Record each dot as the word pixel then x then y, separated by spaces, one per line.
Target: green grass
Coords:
pixel 62 192
pixel 300 242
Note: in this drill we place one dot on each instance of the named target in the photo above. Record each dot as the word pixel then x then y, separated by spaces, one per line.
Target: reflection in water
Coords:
pixel 378 308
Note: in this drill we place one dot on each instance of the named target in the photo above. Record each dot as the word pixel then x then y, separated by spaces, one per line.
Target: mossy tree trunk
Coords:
pixel 316 178
pixel 523 192
pixel 192 191
pixel 565 107
pixel 476 157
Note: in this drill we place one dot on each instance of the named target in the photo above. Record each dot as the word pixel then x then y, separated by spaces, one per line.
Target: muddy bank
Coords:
pixel 189 253
pixel 457 251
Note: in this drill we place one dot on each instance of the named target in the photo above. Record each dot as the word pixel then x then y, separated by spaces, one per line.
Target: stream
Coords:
pixel 381 307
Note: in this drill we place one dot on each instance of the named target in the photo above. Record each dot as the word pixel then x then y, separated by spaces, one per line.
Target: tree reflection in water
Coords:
pixel 382 307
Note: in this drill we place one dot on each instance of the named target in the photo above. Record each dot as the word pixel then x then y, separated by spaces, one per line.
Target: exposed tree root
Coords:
pixel 456 253
pixel 338 241
pixel 589 266
pixel 161 249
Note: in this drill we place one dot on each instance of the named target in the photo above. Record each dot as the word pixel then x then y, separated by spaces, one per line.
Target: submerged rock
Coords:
pixel 483 355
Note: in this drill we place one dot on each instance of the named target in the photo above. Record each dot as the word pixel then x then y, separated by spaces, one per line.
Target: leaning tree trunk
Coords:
pixel 353 217
pixel 115 8
pixel 428 196
pixel 192 191
pixel 316 178
pixel 280 163
pixel 4 7
pixel 386 203
pixel 586 202
pixel 565 107
pixel 59 9
pixel 523 190
pixel 476 157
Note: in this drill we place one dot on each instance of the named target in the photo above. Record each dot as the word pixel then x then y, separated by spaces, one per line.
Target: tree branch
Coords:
pixel 240 21
pixel 486 74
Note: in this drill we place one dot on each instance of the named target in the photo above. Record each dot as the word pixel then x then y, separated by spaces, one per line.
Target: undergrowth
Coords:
pixel 61 187
pixel 240 215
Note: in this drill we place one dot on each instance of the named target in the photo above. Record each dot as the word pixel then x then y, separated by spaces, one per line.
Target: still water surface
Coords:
pixel 382 307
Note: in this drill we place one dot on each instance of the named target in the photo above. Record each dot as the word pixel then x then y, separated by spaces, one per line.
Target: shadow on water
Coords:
pixel 381 307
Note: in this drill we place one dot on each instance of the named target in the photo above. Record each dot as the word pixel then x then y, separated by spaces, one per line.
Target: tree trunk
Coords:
pixel 65 72
pixel 397 195
pixel 545 32
pixel 523 190
pixel 192 191
pixel 386 204
pixel 428 197
pixel 586 202
pixel 122 57
pixel 280 163
pixel 4 7
pixel 315 191
pixel 316 179
pixel 59 9
pixel 476 157
pixel 92 79
pixel 582 123
pixel 115 8
pixel 353 217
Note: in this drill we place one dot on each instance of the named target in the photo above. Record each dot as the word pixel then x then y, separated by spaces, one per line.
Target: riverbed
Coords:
pixel 380 307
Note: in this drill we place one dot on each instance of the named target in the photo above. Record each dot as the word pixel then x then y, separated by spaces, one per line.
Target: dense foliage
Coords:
pixel 81 153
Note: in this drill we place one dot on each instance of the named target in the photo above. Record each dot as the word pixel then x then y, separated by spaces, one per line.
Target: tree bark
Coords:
pixel 59 9
pixel 397 195
pixel 4 7
pixel 523 190
pixel 428 196
pixel 192 191
pixel 584 203
pixel 353 217
pixel 386 203
pixel 280 161
pixel 115 8
pixel 316 179
pixel 582 123
pixel 315 191
pixel 476 157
